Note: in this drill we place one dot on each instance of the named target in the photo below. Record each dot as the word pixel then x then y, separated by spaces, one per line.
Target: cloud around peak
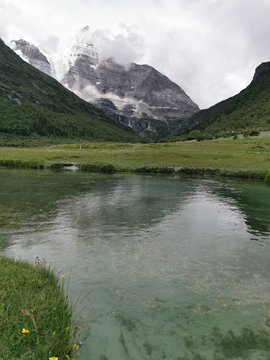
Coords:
pixel 125 47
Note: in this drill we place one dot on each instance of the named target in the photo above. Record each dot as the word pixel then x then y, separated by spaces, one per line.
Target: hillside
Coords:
pixel 246 110
pixel 34 104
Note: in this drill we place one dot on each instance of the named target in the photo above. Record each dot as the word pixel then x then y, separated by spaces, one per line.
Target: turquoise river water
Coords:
pixel 174 268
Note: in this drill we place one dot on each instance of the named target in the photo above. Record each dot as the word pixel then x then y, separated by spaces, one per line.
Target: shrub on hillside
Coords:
pixel 175 138
pixel 254 133
pixel 193 135
pixel 227 135
pixel 204 137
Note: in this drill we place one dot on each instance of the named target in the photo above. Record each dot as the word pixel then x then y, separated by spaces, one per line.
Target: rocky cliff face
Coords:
pixel 262 68
pixel 137 95
pixel 31 54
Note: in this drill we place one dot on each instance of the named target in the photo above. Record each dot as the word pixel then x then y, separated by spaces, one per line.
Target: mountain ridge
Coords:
pixel 137 92
pixel 250 108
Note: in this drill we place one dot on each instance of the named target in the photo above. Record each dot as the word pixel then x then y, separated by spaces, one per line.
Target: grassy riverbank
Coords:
pixel 35 317
pixel 240 157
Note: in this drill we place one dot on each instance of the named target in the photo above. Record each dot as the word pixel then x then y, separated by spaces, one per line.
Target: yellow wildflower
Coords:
pixel 50 260
pixel 53 358
pixel 53 333
pixel 53 265
pixel 63 276
pixel 76 346
pixel 24 331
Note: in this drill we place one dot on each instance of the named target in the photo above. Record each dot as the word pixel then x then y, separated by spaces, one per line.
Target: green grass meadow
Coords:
pixel 251 155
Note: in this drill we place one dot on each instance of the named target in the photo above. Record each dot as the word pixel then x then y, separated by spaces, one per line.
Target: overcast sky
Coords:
pixel 208 47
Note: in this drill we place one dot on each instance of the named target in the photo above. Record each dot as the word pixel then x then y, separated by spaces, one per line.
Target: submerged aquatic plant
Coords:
pixel 233 345
pixel 126 321
pixel 189 342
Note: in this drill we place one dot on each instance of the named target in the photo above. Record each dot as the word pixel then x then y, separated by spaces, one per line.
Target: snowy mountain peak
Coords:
pixel 85 36
pixel 83 44
pixel 80 49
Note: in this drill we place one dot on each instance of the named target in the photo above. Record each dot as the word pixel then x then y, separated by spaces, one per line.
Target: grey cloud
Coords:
pixel 125 47
pixel 51 44
pixel 8 12
pixel 3 31
pixel 244 22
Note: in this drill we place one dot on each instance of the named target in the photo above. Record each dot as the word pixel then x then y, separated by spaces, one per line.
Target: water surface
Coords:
pixel 171 264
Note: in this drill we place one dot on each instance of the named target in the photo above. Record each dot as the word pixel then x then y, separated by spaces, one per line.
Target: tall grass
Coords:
pixel 35 315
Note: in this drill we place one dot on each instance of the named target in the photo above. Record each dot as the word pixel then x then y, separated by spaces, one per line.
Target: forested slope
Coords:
pixel 33 103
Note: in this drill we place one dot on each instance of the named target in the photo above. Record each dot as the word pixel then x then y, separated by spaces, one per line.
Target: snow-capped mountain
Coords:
pixel 137 95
